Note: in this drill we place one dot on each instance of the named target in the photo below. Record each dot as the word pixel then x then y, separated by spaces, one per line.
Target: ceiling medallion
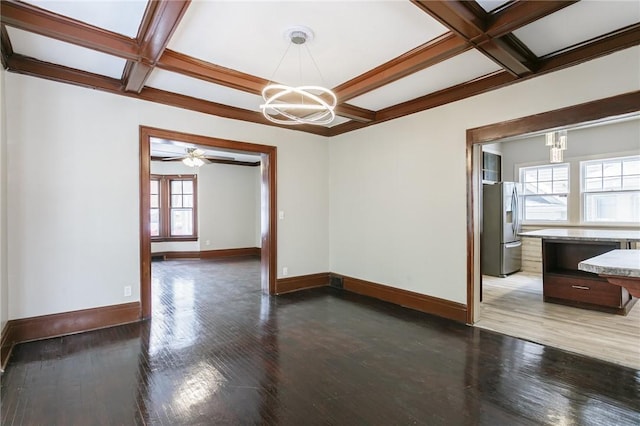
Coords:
pixel 308 104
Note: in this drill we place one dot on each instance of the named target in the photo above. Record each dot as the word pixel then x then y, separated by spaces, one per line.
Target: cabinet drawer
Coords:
pixel 583 290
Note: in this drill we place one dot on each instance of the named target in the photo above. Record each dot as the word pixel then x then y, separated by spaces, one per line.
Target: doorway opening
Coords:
pixel 591 113
pixel 268 238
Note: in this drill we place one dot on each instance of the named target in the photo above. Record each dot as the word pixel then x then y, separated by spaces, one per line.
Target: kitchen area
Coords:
pixel 560 239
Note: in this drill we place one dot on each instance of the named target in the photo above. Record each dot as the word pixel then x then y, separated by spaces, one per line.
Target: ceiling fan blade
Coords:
pixel 220 157
pixel 172 158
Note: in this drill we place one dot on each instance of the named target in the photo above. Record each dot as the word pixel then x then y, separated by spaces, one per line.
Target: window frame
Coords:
pixel 164 186
pixel 521 170
pixel 583 193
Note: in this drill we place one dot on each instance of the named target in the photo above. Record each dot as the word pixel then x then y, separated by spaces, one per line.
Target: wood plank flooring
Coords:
pixel 514 306
pixel 218 352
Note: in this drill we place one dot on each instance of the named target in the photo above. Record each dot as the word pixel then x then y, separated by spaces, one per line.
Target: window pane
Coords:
pixel 612 168
pixel 612 184
pixel 612 207
pixel 187 200
pixel 631 182
pixel 176 201
pixel 155 222
pixel 187 187
pixel 544 188
pixel 593 184
pixel 176 187
pixel 593 170
pixel 545 207
pixel 544 174
pixel 560 187
pixel 560 173
pixel 631 167
pixel 155 201
pixel 530 188
pixel 531 175
pixel 181 222
pixel 155 186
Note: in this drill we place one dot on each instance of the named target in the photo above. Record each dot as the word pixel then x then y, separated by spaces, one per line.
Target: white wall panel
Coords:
pixel 398 190
pixel 73 192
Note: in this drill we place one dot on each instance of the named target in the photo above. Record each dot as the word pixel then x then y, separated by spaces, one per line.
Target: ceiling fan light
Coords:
pixel 188 161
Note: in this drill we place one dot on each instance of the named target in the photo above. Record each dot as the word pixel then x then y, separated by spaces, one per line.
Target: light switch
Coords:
pixel 281 214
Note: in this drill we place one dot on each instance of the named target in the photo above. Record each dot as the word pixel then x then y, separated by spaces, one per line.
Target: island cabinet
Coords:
pixel 564 283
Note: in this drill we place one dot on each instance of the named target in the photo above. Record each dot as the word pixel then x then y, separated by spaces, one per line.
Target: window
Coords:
pixel 611 189
pixel 546 189
pixel 173 208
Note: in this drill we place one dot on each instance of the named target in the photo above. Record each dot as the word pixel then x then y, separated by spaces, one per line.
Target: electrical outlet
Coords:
pixel 285 271
pixel 207 242
pixel 127 291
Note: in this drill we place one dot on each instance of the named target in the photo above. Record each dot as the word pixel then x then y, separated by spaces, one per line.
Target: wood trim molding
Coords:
pixel 62 324
pixel 455 15
pixel 269 243
pixel 614 106
pixel 589 111
pixel 210 254
pixel 290 284
pixel 430 53
pixel 6 346
pixel 5 45
pixel 160 20
pixel 421 302
pixel 472 29
pixel 31 18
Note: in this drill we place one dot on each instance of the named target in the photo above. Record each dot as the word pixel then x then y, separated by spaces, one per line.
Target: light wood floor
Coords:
pixel 514 306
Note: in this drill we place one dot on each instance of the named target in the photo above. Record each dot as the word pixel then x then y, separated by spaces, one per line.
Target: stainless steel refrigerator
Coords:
pixel 501 247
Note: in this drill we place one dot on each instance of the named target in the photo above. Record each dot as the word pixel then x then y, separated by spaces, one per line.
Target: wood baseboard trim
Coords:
pixel 420 302
pixel 208 254
pixel 287 285
pixel 217 254
pixel 6 346
pixel 47 326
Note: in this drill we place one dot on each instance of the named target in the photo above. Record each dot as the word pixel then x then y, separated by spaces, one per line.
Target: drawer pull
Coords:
pixel 580 287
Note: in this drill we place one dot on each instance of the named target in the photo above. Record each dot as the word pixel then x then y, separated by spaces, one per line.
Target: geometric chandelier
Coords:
pixel 557 141
pixel 307 104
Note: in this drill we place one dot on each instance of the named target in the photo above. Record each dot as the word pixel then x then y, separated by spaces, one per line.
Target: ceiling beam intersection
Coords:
pixel 160 20
pixel 491 34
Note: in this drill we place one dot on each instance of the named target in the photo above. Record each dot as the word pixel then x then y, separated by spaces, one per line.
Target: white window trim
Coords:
pixel 606 157
pixel 574 200
pixel 546 222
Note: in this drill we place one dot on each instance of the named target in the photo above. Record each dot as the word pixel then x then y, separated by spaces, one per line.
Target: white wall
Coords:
pixel 4 276
pixel 398 191
pixel 396 213
pixel 73 192
pixel 227 206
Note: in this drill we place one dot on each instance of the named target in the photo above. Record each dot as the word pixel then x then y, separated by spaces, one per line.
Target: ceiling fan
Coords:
pixel 196 157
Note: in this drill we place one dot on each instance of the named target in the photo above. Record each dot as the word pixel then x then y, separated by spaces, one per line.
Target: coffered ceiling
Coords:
pixel 384 59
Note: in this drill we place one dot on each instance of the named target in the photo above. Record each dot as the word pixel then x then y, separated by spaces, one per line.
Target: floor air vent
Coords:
pixel 336 282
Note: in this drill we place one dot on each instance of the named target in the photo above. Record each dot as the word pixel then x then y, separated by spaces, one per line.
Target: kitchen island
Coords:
pixel 619 267
pixel 562 280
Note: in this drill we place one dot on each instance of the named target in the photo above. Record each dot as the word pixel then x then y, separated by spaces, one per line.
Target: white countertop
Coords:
pixel 584 234
pixel 624 263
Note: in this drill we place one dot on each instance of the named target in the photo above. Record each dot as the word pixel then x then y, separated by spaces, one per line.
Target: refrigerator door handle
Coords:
pixel 514 210
pixel 513 244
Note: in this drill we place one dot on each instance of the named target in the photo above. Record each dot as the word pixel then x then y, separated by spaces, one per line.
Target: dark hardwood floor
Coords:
pixel 219 352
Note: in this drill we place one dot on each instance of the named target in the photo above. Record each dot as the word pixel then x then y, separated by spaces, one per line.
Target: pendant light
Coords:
pixel 307 104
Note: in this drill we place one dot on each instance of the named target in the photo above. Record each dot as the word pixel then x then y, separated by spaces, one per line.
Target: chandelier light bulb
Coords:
pixel 308 104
